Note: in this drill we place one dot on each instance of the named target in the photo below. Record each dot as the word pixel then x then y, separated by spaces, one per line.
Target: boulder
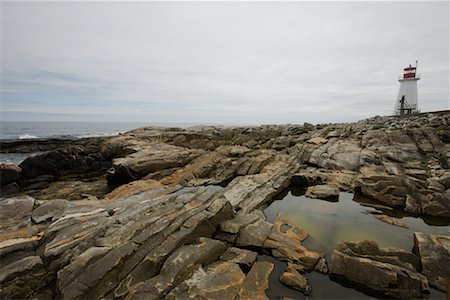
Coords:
pixel 71 159
pixel 434 253
pixel 322 192
pixel 153 158
pixel 385 272
pixel 305 179
pixel 383 188
pixel 284 241
pixel 9 173
pixel 293 279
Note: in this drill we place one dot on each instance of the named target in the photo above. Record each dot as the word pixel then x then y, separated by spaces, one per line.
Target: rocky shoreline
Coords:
pixel 176 213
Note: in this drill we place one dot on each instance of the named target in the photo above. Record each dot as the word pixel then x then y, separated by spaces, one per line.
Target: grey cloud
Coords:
pixel 230 62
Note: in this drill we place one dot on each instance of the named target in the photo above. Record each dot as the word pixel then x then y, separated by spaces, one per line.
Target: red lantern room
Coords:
pixel 409 72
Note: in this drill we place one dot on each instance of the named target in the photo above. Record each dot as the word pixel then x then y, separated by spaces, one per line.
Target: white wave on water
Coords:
pixel 98 134
pixel 27 136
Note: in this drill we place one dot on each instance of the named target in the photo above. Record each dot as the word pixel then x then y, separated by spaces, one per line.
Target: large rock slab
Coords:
pixel 254 234
pixel 221 280
pixel 322 192
pixel 434 253
pixel 178 267
pixel 49 210
pixel 239 256
pixel 239 222
pixel 153 158
pixel 293 279
pixel 22 278
pixel 380 271
pixel 15 212
pixel 285 242
pixel 246 193
pixel 257 281
pixel 72 159
pixel 95 249
pixel 387 189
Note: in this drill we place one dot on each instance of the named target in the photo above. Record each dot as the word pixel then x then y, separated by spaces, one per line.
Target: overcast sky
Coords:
pixel 219 62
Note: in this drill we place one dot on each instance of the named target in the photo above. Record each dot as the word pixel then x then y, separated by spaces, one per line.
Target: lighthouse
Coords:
pixel 406 102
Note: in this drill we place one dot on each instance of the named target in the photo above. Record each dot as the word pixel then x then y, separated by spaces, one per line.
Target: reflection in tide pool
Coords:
pixel 330 222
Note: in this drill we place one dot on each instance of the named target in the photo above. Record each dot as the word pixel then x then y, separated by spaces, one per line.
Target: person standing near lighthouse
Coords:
pixel 406 102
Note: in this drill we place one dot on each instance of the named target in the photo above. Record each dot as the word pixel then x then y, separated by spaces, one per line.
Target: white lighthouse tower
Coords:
pixel 406 102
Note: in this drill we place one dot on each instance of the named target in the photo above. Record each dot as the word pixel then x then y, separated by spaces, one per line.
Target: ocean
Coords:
pixel 29 130
pixel 15 130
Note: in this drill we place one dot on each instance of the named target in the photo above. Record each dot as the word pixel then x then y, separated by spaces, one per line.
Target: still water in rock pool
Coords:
pixel 349 219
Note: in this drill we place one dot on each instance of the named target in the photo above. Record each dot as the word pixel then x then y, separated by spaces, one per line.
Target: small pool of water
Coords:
pixel 327 223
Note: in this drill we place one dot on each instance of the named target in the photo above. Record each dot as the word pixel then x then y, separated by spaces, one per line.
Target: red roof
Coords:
pixel 409 68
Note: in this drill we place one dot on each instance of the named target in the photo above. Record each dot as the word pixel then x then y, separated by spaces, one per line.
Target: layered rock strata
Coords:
pixel 144 225
pixel 386 272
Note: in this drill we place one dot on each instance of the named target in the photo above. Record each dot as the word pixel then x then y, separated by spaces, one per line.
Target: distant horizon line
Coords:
pixel 211 123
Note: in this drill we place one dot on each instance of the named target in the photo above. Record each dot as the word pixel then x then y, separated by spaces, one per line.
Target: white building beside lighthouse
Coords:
pixel 406 102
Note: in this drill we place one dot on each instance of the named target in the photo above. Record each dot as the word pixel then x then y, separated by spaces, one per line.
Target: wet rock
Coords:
pixel 380 271
pixel 257 281
pixel 284 241
pixel 435 204
pixel 391 221
pixel 434 253
pixel 322 266
pixel 386 189
pixel 9 173
pixel 293 279
pixel 413 205
pixel 377 206
pixel 322 192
